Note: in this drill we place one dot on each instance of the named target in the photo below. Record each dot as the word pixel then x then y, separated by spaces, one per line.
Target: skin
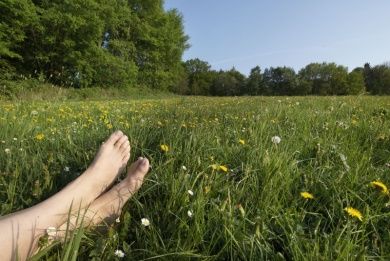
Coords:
pixel 20 231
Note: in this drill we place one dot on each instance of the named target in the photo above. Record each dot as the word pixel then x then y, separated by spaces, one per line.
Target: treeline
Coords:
pixel 120 43
pixel 80 43
pixel 314 79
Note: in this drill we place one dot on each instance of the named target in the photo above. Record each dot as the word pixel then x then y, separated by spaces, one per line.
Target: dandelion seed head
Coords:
pixel 276 139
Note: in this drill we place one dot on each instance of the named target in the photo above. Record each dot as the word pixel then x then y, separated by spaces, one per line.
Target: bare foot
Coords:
pixel 108 206
pixel 109 161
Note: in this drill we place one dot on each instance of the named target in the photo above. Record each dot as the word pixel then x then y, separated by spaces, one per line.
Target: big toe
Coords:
pixel 137 172
pixel 114 137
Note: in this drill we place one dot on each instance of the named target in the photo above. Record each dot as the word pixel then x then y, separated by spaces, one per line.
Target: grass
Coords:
pixel 331 147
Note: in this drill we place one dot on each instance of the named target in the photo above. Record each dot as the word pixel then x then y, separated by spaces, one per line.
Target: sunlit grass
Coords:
pixel 245 201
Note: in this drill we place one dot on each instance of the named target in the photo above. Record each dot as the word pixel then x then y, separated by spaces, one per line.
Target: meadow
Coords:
pixel 249 178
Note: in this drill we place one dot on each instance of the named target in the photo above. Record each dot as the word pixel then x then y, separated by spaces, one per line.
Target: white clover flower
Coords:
pixel 15 139
pixel 145 222
pixel 190 213
pixel 7 150
pixel 34 113
pixel 190 192
pixel 183 167
pixel 119 253
pixel 276 139
pixel 118 220
pixel 66 169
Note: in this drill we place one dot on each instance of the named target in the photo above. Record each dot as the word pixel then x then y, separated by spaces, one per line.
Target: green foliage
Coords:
pixel 229 83
pixel 80 43
pixel 355 82
pixel 255 84
pixel 325 78
pixel 200 76
pixel 377 79
pixel 281 80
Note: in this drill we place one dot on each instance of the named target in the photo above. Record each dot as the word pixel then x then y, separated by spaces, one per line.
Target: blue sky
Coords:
pixel 293 33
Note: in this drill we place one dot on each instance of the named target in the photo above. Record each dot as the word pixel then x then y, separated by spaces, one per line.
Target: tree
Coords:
pixel 281 80
pixel 378 79
pixel 355 82
pixel 228 83
pixel 254 84
pixel 325 78
pixel 199 76
pixel 16 16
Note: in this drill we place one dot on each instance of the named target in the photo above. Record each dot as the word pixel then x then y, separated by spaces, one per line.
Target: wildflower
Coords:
pixel 214 166
pixel 276 139
pixel 40 136
pixel 118 220
pixel 190 213
pixel 34 113
pixel 119 253
pixel 183 167
pixel 51 231
pixel 379 185
pixel 190 192
pixel 354 213
pixel 164 148
pixel 241 141
pixel 307 195
pixel 145 222
pixel 66 169
pixel 223 168
pixel 15 139
pixel 7 150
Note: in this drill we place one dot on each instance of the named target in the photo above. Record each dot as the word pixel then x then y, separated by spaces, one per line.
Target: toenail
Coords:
pixel 144 161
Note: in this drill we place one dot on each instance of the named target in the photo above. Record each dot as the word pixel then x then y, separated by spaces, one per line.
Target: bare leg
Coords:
pixel 108 206
pixel 20 231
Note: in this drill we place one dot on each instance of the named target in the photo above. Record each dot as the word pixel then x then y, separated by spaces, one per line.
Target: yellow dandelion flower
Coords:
pixel 223 168
pixel 380 186
pixel 307 195
pixel 40 136
pixel 241 141
pixel 353 212
pixel 164 148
